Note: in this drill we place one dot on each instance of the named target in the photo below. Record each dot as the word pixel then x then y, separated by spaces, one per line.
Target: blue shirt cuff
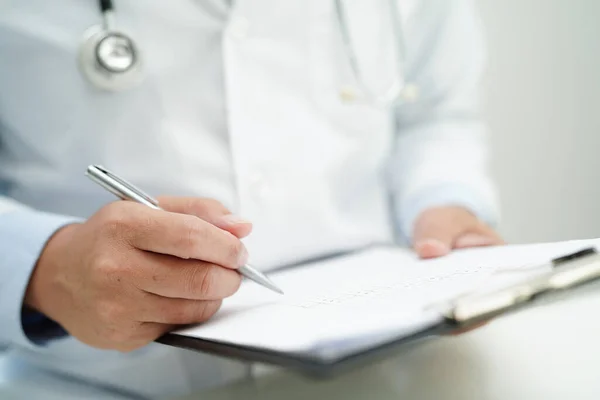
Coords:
pixel 23 236
pixel 445 195
pixel 40 329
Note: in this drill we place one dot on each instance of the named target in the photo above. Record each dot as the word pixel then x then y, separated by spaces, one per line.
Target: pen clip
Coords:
pixel 118 186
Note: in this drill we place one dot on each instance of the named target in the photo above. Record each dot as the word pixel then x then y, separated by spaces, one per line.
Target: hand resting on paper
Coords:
pixel 439 230
pixel 130 273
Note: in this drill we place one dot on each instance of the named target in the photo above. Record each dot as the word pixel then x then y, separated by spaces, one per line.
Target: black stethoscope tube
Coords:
pixel 106 6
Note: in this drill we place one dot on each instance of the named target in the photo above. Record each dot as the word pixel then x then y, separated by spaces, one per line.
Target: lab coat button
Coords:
pixel 410 93
pixel 348 94
pixel 239 28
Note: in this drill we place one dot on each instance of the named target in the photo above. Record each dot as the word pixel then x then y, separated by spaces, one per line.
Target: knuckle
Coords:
pixel 204 206
pixel 234 250
pixel 105 263
pixel 105 266
pixel 204 280
pixel 179 315
pixel 197 206
pixel 194 232
pixel 116 218
pixel 209 204
pixel 207 309
pixel 107 270
pixel 237 282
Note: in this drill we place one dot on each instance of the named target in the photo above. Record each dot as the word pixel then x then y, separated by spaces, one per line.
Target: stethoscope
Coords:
pixel 111 60
pixel 399 90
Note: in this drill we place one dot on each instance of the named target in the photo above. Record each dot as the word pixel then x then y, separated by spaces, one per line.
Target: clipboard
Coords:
pixel 573 274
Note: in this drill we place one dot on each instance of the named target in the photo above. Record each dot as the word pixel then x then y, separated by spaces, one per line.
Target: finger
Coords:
pixel 209 210
pixel 173 277
pixel 431 248
pixel 436 229
pixel 167 311
pixel 474 240
pixel 434 238
pixel 235 225
pixel 183 236
pixel 479 236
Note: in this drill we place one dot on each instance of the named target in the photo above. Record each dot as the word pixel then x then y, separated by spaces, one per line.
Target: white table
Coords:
pixel 541 354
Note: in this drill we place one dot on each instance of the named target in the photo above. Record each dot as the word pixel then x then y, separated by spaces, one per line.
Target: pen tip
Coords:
pixel 272 286
pixel 269 283
pixel 259 278
pixel 279 291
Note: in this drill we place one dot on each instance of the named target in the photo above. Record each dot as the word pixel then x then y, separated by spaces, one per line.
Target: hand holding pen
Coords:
pixel 126 191
pixel 132 272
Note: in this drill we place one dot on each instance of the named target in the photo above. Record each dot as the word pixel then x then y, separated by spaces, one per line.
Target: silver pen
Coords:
pixel 126 191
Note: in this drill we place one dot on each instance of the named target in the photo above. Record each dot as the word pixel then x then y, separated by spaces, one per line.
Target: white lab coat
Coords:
pixel 243 104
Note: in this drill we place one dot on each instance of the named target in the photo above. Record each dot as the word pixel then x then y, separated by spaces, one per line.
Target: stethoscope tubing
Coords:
pixel 390 97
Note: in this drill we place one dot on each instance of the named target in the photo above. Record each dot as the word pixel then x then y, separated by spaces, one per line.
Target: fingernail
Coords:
pixel 243 257
pixel 473 240
pixel 432 248
pixel 233 219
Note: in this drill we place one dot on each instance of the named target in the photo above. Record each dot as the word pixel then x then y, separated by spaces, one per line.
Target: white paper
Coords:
pixel 356 299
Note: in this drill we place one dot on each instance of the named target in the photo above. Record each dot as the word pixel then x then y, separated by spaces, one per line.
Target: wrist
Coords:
pixel 41 294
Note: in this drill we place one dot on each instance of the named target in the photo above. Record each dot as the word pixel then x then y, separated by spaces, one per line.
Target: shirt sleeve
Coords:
pixel 23 235
pixel 441 150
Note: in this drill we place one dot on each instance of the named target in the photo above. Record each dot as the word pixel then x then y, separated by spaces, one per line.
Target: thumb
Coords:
pixel 209 210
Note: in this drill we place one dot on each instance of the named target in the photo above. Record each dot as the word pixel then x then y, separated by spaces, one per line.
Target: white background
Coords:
pixel 542 92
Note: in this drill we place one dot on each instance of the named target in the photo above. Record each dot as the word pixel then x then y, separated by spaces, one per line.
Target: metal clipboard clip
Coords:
pixel 569 273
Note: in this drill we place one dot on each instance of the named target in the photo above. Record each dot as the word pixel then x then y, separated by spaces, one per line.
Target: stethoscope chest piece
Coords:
pixel 110 60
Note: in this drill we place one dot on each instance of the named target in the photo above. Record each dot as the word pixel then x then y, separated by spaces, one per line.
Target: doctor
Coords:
pixel 302 127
